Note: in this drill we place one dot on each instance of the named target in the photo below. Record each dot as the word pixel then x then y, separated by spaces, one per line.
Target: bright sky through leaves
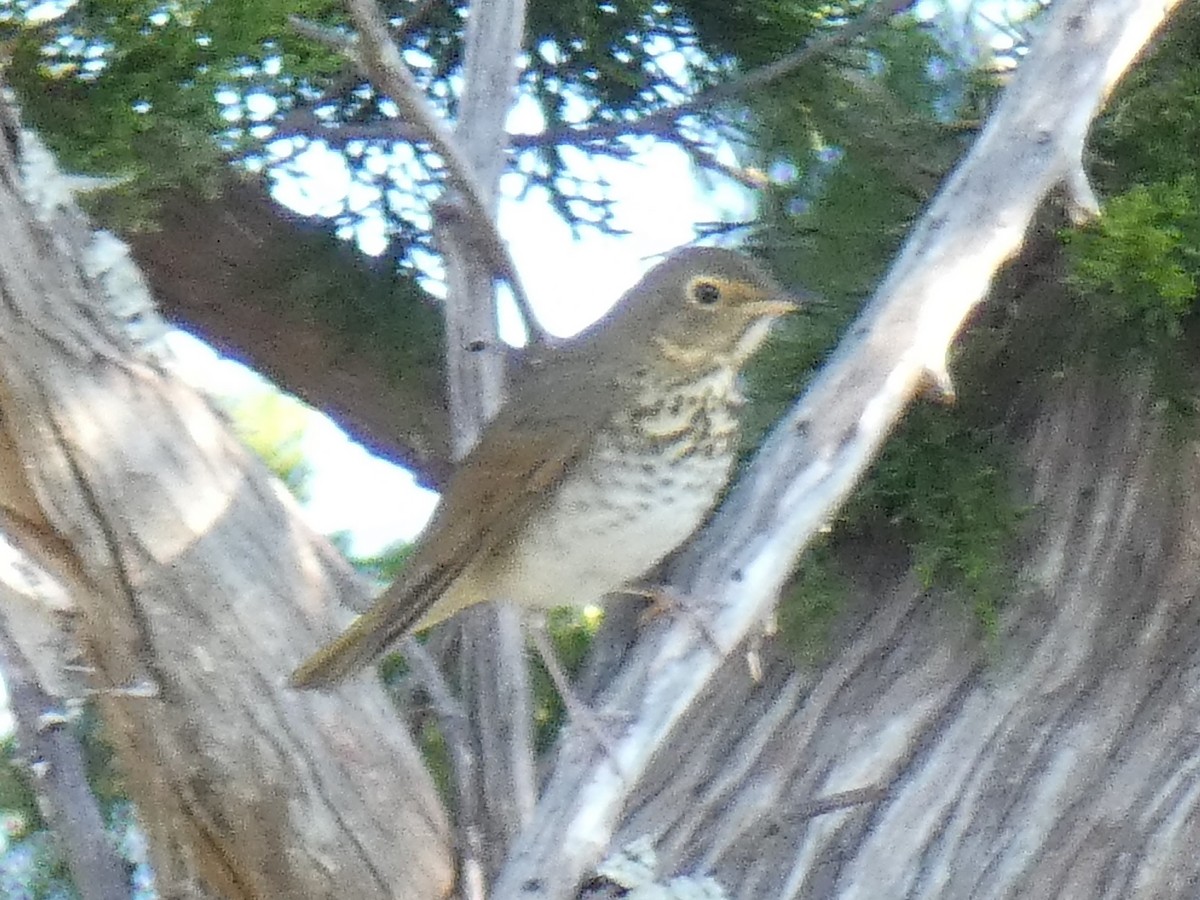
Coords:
pixel 570 283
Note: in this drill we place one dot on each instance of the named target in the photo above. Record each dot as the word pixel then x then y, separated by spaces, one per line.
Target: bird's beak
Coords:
pixel 774 306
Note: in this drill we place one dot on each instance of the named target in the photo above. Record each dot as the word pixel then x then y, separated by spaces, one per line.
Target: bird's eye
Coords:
pixel 705 293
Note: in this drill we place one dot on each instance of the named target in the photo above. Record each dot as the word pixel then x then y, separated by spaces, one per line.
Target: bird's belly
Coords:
pixel 610 522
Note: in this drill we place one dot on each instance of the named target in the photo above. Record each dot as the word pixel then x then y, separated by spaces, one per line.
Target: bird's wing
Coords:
pixel 522 454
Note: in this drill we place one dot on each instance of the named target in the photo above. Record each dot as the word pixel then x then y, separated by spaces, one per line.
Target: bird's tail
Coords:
pixel 365 639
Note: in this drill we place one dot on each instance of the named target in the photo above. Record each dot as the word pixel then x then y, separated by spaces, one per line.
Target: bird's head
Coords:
pixel 701 307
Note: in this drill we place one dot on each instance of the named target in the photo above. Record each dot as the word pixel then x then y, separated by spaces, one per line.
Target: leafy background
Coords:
pixel 850 147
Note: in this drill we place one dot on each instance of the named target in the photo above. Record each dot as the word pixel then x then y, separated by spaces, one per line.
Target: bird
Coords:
pixel 611 451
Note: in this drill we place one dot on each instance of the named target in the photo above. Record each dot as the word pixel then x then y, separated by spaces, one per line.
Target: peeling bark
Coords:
pixel 1031 145
pixel 1061 761
pixel 193 579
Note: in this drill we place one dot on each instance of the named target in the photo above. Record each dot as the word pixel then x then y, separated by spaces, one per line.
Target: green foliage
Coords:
pixel 752 33
pixel 15 792
pixel 273 425
pixel 814 600
pixel 571 632
pixel 843 195
pixel 1136 266
pixel 168 94
pixel 135 88
pixel 103 772
pixel 1151 127
pixel 436 753
pixel 1133 273
pixel 853 164
pixel 33 868
pixel 385 566
pixel 944 486
pixel 378 308
pixel 942 490
pixel 31 864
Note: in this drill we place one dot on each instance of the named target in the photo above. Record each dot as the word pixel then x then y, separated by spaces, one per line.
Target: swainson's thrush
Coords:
pixel 606 457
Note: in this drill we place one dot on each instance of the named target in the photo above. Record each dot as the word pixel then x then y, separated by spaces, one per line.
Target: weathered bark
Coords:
pixel 192 577
pixel 1040 775
pixel 310 313
pixel 1059 762
pixel 494 675
pixel 813 458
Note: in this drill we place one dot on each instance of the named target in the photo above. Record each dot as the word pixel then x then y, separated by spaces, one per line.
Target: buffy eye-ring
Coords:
pixel 705 293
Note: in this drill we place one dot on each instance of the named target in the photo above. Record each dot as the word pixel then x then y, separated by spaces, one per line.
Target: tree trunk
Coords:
pixel 669 681
pixel 910 763
pixel 1059 760
pixel 192 574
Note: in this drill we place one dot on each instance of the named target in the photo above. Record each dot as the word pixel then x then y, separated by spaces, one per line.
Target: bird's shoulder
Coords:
pixel 543 430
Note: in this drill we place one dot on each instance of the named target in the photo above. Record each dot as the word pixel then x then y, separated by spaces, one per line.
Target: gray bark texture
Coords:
pixel 1060 760
pixel 492 756
pixel 670 682
pixel 909 763
pixel 191 574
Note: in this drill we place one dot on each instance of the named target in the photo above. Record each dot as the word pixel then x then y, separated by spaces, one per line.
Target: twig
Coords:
pixel 717 229
pixel 755 179
pixel 450 712
pixel 334 38
pixel 841 800
pixel 580 715
pixel 662 122
pixel 56 767
pixel 301 121
pixel 495 781
pixel 456 729
pixel 410 21
pixel 376 52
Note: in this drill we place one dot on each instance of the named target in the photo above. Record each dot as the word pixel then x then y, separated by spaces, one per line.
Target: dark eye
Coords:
pixel 705 293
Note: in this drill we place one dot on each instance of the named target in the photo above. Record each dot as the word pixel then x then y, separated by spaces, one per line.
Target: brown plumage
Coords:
pixel 608 455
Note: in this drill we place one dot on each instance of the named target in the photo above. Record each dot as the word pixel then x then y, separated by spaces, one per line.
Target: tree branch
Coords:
pixel 818 452
pixel 494 777
pixel 494 676
pixel 57 770
pixel 375 50
pixel 662 123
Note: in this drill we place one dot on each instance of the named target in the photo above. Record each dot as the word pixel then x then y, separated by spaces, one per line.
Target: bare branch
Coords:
pixel 816 455
pixel 842 800
pixel 662 124
pixel 302 123
pixel 58 772
pixel 376 51
pixel 495 680
pixel 456 729
pixel 754 179
pixel 420 10
pixel 333 38
pixel 494 771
